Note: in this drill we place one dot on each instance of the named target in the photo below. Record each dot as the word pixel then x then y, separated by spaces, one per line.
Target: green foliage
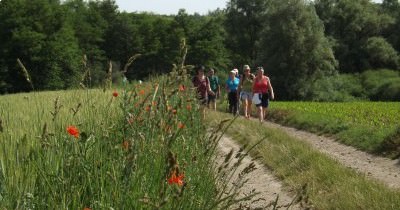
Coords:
pixel 381 54
pixel 351 23
pixel 343 87
pixel 295 50
pixel 244 22
pixel 381 84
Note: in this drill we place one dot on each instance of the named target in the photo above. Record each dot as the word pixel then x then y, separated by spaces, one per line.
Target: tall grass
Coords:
pixel 143 147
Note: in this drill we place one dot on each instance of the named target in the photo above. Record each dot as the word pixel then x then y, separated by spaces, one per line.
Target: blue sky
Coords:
pixel 172 6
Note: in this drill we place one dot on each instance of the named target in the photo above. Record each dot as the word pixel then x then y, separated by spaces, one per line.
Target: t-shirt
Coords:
pixel 233 84
pixel 260 86
pixel 214 83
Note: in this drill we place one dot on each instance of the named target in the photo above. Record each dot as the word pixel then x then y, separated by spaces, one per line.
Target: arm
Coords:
pixel 271 89
pixel 209 87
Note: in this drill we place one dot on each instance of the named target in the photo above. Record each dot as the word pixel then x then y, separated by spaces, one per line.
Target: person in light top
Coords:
pixel 246 90
pixel 262 92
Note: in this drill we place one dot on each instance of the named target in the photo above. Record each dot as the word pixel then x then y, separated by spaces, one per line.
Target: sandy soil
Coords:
pixel 261 181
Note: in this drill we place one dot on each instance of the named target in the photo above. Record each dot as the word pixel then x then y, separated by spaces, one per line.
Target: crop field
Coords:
pixel 372 126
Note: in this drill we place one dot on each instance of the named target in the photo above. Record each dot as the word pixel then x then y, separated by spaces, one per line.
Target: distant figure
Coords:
pixel 261 89
pixel 202 84
pixel 215 87
pixel 246 90
pixel 232 84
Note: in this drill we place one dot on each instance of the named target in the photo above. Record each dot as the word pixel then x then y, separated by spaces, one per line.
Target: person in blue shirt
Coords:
pixel 231 85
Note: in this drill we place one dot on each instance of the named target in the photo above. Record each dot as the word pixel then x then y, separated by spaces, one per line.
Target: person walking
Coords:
pixel 245 89
pixel 202 84
pixel 262 91
pixel 231 85
pixel 215 87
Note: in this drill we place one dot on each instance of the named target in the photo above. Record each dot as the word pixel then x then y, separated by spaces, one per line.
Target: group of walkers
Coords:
pixel 246 88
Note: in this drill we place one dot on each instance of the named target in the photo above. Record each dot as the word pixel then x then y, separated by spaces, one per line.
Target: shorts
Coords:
pixel 211 98
pixel 244 95
pixel 202 100
pixel 264 97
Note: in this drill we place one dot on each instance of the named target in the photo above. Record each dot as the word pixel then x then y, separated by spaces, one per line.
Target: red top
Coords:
pixel 260 86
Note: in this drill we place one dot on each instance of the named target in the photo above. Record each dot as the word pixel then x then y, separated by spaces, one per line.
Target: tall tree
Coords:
pixel 294 50
pixel 350 23
pixel 244 21
pixel 32 32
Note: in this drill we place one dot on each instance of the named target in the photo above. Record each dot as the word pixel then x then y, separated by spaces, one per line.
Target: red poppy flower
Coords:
pixel 176 179
pixel 141 92
pixel 181 87
pixel 115 94
pixel 86 208
pixel 181 125
pixel 125 144
pixel 73 131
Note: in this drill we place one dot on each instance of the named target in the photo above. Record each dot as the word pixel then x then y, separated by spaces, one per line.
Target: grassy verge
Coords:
pixel 321 182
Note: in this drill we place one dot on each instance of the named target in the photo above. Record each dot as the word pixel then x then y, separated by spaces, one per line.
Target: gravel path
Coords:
pixel 261 181
pixel 382 169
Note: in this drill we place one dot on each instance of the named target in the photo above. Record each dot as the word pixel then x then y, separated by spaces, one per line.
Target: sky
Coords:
pixel 171 7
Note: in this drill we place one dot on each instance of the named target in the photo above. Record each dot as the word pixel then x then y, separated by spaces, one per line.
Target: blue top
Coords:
pixel 232 84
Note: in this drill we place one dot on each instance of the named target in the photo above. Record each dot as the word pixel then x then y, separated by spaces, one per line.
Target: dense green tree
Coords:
pixel 392 8
pixel 43 42
pixel 244 23
pixel 350 23
pixel 381 54
pixel 295 51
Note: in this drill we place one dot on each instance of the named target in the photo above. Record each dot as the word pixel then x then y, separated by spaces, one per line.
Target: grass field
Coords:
pixel 142 147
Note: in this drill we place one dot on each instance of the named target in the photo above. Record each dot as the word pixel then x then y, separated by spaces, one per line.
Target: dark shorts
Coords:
pixel 202 100
pixel 264 100
pixel 211 98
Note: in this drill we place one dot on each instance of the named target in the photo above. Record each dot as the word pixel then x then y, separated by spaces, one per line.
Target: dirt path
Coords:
pixel 382 169
pixel 261 180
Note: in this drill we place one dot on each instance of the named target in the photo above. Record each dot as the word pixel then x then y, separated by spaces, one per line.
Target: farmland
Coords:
pixel 371 126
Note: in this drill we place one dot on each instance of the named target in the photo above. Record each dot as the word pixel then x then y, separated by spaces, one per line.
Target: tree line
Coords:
pixel 312 50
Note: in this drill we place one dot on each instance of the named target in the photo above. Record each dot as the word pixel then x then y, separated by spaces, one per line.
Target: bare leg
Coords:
pixel 245 107
pixel 249 112
pixel 265 113
pixel 260 113
pixel 215 105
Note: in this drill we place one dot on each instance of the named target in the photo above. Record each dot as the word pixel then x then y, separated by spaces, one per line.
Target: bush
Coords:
pixel 345 87
pixel 381 84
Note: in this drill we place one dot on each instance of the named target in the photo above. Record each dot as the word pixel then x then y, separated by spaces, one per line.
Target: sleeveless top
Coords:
pixel 260 86
pixel 201 86
pixel 247 84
